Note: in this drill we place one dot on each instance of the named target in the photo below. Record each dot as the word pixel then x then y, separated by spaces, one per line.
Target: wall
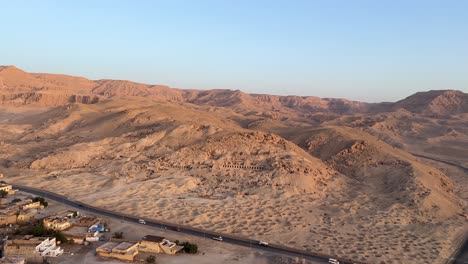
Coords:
pixel 148 246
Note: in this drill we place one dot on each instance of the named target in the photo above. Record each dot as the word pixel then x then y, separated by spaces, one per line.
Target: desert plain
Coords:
pixel 370 182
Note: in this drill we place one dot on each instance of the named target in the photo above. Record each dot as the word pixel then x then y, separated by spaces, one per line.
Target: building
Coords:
pixel 57 223
pixel 80 234
pixel 13 260
pixel 7 218
pixel 87 221
pixel 7 187
pixel 156 244
pixel 25 248
pixel 31 205
pixel 49 248
pixel 123 251
pixel 97 227
pixel 26 216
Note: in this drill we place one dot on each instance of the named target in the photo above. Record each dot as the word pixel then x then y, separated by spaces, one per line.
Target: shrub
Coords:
pixel 3 193
pixel 151 259
pixel 16 200
pixel 38 230
pixel 118 235
pixel 60 237
pixel 190 248
pixel 41 200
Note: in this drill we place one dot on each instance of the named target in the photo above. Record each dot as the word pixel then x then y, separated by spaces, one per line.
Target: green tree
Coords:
pixel 16 200
pixel 151 259
pixel 38 230
pixel 190 248
pixel 3 193
pixel 60 237
pixel 118 235
pixel 40 200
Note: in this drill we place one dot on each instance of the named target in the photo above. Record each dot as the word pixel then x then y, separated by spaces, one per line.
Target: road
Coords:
pixel 439 160
pixel 241 241
pixel 461 255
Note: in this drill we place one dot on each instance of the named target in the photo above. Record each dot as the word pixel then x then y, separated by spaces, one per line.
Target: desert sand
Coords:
pixel 326 175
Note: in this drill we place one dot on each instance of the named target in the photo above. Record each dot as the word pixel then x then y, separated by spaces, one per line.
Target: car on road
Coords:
pixel 141 221
pixel 218 238
pixel 333 261
pixel 263 243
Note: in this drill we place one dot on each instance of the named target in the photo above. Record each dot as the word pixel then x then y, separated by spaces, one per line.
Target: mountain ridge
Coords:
pixel 15 83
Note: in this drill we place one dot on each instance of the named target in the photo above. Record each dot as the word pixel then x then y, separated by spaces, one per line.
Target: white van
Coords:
pixel 141 221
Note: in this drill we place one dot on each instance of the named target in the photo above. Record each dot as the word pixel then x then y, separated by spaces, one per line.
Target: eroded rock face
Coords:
pixel 46 99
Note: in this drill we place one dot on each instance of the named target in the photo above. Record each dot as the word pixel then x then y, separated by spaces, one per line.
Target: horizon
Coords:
pixel 182 88
pixel 362 51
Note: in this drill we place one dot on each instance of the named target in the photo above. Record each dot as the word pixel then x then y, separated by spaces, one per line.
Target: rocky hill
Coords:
pixel 20 88
pixel 327 175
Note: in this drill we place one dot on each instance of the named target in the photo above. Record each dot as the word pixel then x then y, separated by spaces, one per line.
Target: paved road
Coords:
pixel 183 229
pixel 442 161
pixel 461 255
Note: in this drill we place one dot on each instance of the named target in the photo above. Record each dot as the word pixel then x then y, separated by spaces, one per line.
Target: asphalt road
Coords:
pixel 439 160
pixel 183 229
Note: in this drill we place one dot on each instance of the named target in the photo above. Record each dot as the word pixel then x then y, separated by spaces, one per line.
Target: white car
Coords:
pixel 263 243
pixel 218 238
pixel 333 261
pixel 141 221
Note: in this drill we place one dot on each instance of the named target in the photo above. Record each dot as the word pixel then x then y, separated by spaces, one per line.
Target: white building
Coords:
pixel 48 248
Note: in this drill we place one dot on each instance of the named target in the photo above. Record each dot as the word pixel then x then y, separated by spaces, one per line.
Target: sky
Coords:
pixel 361 50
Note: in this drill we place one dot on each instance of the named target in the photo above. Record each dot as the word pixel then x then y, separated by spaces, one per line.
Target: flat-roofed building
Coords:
pixel 57 223
pixel 7 218
pixel 13 260
pixel 157 244
pixel 26 215
pixel 123 251
pixel 87 221
pixel 7 188
pixel 28 248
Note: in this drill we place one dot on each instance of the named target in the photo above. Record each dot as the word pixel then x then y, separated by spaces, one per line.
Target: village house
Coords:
pixel 8 217
pixel 80 234
pixel 156 244
pixel 13 260
pixel 7 188
pixel 31 205
pixel 49 248
pixel 57 223
pixel 124 251
pixel 33 250
pixel 26 216
pixel 87 221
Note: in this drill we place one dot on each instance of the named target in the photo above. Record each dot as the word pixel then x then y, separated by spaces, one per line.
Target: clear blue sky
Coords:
pixel 379 50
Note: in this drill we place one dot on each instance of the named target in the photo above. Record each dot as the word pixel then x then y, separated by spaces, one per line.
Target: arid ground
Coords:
pixel 330 176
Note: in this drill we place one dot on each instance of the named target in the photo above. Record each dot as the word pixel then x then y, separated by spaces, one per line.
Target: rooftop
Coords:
pixel 151 238
pixel 109 246
pixel 124 246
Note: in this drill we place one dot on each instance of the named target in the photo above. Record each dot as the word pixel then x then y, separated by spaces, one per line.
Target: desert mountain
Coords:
pixel 440 102
pixel 327 175
pixel 19 88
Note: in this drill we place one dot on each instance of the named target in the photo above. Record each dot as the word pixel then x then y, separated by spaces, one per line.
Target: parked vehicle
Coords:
pixel 141 221
pixel 263 243
pixel 333 261
pixel 218 238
